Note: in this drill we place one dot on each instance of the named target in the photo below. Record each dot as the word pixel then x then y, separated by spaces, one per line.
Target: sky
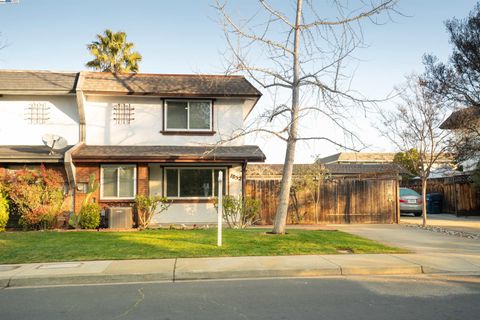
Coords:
pixel 184 36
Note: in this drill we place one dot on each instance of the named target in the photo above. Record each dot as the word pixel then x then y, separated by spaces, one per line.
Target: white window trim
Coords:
pixel 165 115
pixel 225 179
pixel 118 182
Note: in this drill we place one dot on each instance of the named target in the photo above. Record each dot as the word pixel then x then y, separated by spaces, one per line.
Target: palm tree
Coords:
pixel 113 53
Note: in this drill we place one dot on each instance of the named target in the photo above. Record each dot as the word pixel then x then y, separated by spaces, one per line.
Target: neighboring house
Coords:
pixel 333 170
pixel 367 158
pixel 137 133
pixel 465 122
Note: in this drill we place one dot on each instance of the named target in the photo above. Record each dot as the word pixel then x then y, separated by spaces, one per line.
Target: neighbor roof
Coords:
pixel 359 157
pixel 168 85
pixel 38 82
pixel 90 153
pixel 30 154
pixel 332 169
pixel 460 118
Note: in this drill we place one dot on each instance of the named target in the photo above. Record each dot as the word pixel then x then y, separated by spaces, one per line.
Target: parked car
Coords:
pixel 410 202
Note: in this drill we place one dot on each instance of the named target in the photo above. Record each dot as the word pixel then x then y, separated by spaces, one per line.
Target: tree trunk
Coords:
pixel 282 210
pixel 424 202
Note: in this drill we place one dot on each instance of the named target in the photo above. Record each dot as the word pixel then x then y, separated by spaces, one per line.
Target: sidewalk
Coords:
pixel 124 271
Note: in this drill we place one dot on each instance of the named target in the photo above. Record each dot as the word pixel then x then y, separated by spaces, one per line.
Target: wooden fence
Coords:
pixel 340 201
pixel 460 196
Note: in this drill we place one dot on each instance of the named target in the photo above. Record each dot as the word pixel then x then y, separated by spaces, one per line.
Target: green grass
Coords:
pixel 25 247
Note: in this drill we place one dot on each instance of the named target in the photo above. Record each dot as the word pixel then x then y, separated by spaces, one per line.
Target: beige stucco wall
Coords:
pixel 15 129
pixel 147 124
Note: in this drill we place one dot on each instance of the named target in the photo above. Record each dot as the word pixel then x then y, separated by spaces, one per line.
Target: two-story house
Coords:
pixel 465 124
pixel 155 134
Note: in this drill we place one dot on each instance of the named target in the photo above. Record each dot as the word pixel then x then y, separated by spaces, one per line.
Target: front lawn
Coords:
pixel 48 246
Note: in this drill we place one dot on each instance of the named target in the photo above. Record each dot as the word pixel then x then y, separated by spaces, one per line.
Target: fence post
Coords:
pixel 220 208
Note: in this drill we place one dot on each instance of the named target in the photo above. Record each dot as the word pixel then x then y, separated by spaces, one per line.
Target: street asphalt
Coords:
pixel 328 298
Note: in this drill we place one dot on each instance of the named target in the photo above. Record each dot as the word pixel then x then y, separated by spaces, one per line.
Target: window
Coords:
pixel 118 181
pixel 193 182
pixel 186 115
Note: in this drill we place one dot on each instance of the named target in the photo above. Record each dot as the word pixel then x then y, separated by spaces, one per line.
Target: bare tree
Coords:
pixel 415 125
pixel 300 56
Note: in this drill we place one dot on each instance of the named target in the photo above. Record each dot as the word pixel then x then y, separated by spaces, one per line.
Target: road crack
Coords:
pixel 135 305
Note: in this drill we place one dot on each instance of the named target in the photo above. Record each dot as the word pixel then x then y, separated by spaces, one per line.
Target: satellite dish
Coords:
pixel 54 142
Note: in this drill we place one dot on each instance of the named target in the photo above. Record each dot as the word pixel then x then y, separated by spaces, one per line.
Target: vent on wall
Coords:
pixel 37 113
pixel 123 113
pixel 119 217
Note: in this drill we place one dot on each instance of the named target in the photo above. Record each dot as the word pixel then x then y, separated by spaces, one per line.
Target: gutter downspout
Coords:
pixel 81 108
pixel 67 158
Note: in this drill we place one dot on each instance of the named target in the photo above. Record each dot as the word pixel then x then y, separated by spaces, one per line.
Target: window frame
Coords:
pixel 212 168
pixel 134 166
pixel 188 101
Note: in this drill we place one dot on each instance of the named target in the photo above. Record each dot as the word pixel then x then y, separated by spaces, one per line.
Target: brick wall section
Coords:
pixel 83 172
pixel 142 179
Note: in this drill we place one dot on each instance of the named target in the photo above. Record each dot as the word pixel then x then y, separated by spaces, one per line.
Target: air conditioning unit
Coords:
pixel 119 217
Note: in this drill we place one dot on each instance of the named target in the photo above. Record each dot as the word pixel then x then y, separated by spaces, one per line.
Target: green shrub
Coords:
pixel 239 212
pixel 92 187
pixel 147 206
pixel 4 210
pixel 90 216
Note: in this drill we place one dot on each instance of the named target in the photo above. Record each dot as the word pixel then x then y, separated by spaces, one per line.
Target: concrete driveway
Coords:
pixel 413 239
pixel 448 221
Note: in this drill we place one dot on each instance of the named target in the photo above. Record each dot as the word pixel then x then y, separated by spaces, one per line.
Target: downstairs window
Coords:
pixel 193 182
pixel 118 181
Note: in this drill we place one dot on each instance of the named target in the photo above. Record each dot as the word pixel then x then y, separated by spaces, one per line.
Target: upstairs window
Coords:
pixel 188 115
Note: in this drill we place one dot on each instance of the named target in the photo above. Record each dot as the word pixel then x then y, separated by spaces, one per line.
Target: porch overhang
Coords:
pixel 163 154
pixel 30 154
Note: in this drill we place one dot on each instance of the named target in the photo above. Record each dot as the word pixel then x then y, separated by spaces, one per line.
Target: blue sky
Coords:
pixel 184 37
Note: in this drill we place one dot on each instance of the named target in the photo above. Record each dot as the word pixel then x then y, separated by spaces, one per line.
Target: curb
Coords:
pixel 17 282
pixel 83 279
pixel 246 267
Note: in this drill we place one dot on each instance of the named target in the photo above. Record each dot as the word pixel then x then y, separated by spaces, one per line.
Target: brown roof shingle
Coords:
pixel 23 81
pixel 30 154
pixel 332 169
pixel 169 85
pixel 359 157
pixel 462 118
pixel 168 153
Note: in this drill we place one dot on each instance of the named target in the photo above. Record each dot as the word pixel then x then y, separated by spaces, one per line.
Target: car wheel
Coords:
pixel 417 214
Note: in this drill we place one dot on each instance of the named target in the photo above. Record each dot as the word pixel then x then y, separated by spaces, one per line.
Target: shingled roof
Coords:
pixel 90 153
pixel 378 157
pixel 461 118
pixel 168 85
pixel 275 170
pixel 47 82
pixel 30 154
